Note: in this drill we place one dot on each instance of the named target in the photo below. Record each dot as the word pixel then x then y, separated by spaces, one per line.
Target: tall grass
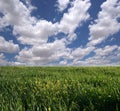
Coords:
pixel 59 88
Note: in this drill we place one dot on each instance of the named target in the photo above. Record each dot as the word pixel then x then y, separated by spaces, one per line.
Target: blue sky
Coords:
pixel 60 32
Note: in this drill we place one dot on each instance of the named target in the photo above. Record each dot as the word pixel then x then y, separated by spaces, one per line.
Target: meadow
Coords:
pixel 59 88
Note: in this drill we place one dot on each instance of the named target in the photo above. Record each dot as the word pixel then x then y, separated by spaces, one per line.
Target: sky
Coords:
pixel 60 32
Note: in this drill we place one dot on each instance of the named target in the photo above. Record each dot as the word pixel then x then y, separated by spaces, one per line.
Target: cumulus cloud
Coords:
pixel 106 51
pixel 5 62
pixel 62 4
pixel 2 59
pixel 37 33
pixel 26 28
pixel 81 52
pixel 76 15
pixel 8 46
pixel 107 23
pixel 108 55
pixel 14 11
pixel 44 54
pixel 63 62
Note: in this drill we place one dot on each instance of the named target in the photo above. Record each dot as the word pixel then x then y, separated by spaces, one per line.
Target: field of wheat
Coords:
pixel 59 88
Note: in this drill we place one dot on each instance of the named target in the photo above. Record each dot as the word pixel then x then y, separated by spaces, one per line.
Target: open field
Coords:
pixel 59 88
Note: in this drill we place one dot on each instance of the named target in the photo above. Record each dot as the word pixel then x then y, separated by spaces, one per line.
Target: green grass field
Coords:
pixel 59 88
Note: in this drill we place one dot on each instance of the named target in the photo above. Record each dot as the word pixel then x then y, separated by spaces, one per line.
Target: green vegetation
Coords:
pixel 59 88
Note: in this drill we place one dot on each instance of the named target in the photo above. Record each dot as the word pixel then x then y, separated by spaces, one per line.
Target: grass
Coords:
pixel 59 88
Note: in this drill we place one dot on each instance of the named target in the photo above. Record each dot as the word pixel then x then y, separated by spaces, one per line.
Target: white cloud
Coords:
pixel 37 33
pixel 62 4
pixel 14 11
pixel 76 15
pixel 106 24
pixel 26 28
pixel 29 5
pixel 106 51
pixel 2 60
pixel 44 54
pixel 108 55
pixel 80 52
pixel 8 46
pixel 5 62
pixel 64 62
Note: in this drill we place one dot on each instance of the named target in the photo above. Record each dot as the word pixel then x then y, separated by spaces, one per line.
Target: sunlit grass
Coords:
pixel 59 88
